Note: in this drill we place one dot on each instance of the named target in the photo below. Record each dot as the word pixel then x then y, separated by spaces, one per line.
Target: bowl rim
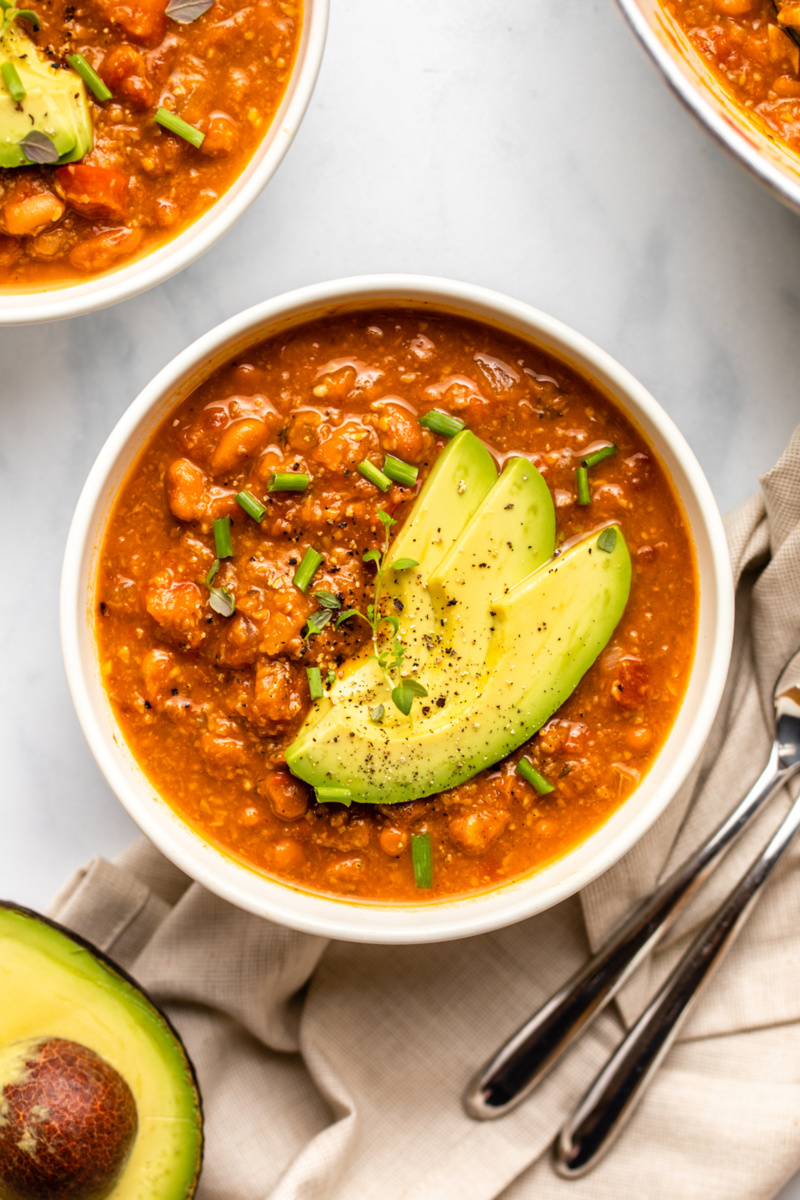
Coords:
pixel 724 129
pixel 21 306
pixel 311 912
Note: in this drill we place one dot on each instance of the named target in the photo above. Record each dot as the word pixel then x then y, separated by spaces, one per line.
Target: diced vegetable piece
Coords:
pixel 94 191
pixel 143 20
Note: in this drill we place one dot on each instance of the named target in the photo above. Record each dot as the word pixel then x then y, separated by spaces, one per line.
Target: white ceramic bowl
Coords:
pixel 691 78
pixel 23 307
pixel 363 920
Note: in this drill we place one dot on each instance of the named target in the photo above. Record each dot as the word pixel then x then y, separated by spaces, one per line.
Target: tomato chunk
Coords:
pixel 94 191
pixel 143 20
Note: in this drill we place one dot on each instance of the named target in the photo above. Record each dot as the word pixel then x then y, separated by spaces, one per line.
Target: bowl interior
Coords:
pixel 691 77
pixel 47 304
pixel 371 921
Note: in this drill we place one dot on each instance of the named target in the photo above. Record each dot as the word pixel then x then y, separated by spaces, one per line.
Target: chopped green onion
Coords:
pixel 182 128
pixel 422 860
pixel 439 422
pixel 376 713
pixel 13 82
pixel 288 481
pixel 607 540
pixel 333 795
pixel 330 679
pixel 599 456
pixel 222 537
pixel 532 776
pixel 302 576
pixel 251 506
pixel 399 471
pixel 89 76
pixel 374 475
pixel 582 476
pixel 314 682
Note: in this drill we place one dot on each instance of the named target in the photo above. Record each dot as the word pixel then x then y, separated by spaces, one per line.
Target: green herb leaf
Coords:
pixel 222 601
pixel 38 148
pixel 345 616
pixel 385 519
pixel 327 600
pixel 607 540
pixel 212 574
pixel 403 695
pixel 404 564
pixel 317 622
pixel 371 556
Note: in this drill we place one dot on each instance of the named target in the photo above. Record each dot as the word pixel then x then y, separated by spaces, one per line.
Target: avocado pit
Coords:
pixel 68 1121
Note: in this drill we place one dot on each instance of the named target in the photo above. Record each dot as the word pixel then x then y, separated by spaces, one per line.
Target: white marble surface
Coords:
pixel 527 146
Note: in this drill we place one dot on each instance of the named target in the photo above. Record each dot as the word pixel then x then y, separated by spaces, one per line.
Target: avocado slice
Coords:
pixel 512 533
pixel 546 632
pixel 55 985
pixel 55 103
pixel 458 481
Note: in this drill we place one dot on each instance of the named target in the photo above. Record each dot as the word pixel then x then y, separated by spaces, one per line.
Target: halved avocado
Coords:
pixel 58 988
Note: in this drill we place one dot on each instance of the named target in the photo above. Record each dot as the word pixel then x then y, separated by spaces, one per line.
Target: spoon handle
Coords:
pixel 524 1060
pixel 620 1086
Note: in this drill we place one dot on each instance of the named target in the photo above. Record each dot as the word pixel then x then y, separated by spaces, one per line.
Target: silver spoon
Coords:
pixel 527 1057
pixel 619 1087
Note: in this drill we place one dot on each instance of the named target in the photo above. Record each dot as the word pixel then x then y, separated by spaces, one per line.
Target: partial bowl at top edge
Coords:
pixel 364 920
pixel 19 306
pixel 690 76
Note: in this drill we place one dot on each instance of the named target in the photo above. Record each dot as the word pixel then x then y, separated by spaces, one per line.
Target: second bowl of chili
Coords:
pixel 194 650
pixel 184 111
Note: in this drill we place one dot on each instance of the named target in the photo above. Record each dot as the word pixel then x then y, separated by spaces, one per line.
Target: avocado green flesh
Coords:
pixel 54 986
pixel 546 633
pixel 459 480
pixel 512 533
pixel 55 104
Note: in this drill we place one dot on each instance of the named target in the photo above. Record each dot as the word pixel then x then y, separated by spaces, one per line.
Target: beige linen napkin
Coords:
pixel 333 1071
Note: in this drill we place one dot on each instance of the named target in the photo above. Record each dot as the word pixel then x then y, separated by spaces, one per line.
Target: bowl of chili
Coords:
pixel 735 64
pixel 171 115
pixel 194 649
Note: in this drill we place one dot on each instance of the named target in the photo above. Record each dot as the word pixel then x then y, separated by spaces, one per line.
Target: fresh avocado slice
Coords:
pixel 458 481
pixel 546 632
pixel 54 984
pixel 512 533
pixel 55 103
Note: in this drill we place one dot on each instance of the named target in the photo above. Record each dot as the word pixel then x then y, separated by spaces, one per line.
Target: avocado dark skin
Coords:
pixel 67 1124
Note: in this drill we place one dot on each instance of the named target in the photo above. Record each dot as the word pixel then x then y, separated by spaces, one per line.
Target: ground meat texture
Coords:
pixel 224 73
pixel 208 703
